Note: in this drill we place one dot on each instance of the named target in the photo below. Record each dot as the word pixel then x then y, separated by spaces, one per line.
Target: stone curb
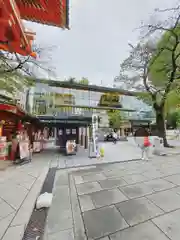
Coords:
pixel 19 223
pixel 100 163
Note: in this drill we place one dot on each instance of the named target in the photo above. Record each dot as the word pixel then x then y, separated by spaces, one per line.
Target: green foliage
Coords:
pixel 161 68
pixel 115 118
pixel 173 119
pixel 145 97
pixel 172 101
pixel 84 81
pixel 13 82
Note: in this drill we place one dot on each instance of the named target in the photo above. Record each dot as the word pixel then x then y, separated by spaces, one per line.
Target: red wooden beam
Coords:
pixel 51 13
pixel 13 37
pixel 12 108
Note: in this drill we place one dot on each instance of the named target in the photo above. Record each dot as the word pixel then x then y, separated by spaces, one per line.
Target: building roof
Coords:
pixel 53 12
pixel 77 120
pixel 94 88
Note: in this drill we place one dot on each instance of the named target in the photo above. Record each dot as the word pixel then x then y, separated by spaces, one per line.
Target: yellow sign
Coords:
pixel 60 99
pixel 109 99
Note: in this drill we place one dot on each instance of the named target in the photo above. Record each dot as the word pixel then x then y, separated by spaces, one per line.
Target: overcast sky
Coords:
pixel 97 41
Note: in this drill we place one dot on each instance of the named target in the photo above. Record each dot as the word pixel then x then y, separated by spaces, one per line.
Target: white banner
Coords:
pixel 24 150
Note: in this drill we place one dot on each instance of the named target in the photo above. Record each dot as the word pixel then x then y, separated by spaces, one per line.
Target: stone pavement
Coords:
pixel 19 188
pixel 166 151
pixel 123 201
pixel 122 151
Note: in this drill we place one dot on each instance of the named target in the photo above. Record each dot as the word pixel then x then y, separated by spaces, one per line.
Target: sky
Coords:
pixel 97 41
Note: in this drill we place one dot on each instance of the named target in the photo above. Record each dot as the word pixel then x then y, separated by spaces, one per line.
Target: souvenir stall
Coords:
pixel 10 117
pixel 37 144
pixel 15 132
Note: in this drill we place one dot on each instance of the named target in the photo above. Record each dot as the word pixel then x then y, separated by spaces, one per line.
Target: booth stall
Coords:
pixel 15 132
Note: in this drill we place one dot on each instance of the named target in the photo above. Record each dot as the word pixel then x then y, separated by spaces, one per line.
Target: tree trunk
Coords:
pixel 160 122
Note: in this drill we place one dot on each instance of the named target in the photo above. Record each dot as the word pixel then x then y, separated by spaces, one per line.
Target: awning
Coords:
pixel 12 109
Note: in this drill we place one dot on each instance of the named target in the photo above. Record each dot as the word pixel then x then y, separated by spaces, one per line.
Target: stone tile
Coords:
pixel 159 184
pixel 61 179
pixel 24 213
pixel 134 178
pixel 112 182
pixel 86 170
pixel 107 197
pixel 103 221
pixel 61 163
pixel 23 179
pixel 136 190
pixel 152 174
pixel 60 213
pixel 144 231
pixel 4 223
pixel 61 195
pixel 174 179
pixel 138 210
pixel 64 235
pixel 169 224
pixel 93 177
pixel 115 173
pixel 78 224
pixel 176 190
pixel 86 188
pixel 15 194
pixel 86 203
pixel 5 209
pixel 78 179
pixel 16 232
pixel 104 238
pixel 166 200
pixel 59 220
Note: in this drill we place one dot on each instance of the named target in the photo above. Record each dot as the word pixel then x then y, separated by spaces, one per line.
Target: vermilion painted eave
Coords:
pixel 52 15
pixel 13 109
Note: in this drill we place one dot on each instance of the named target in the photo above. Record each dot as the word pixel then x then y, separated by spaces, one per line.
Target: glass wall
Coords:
pixel 45 100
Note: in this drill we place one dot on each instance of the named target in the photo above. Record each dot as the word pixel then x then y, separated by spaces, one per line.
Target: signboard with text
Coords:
pixel 72 101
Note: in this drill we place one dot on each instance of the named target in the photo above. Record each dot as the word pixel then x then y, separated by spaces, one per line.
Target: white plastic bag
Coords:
pixel 44 200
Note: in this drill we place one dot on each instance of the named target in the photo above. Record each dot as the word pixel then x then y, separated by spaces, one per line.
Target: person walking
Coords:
pixel 145 148
pixel 114 137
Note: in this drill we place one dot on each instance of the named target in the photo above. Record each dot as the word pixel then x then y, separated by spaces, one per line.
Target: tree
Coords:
pixel 14 69
pixel 115 119
pixel 154 65
pixel 173 119
pixel 71 80
pixel 84 81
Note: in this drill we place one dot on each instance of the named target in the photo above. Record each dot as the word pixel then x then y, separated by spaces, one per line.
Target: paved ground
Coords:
pixel 96 192
pixel 19 188
pixel 122 151
pixel 133 200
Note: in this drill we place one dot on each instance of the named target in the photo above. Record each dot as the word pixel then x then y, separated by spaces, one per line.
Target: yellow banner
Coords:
pixel 60 99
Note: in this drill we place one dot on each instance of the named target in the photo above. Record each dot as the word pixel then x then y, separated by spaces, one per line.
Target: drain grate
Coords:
pixel 35 227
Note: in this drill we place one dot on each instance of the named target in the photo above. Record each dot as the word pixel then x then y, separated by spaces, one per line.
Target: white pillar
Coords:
pixel 88 136
pixel 84 134
pixel 80 136
pixel 122 132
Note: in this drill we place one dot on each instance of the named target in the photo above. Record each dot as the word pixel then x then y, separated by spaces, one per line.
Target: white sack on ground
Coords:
pixel 44 200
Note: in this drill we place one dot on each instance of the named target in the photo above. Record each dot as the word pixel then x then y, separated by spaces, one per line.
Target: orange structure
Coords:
pixel 13 35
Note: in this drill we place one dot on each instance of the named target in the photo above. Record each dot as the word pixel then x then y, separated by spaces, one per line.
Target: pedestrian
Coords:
pixel 145 148
pixel 114 137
